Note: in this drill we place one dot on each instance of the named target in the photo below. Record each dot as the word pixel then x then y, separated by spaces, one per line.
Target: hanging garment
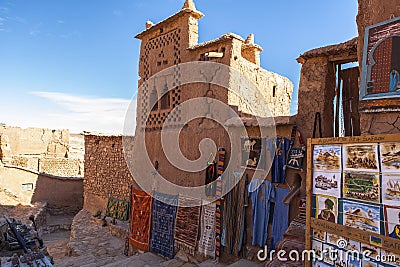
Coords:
pixel 207 234
pixel 261 194
pixel 140 221
pixel 218 203
pixel 211 176
pixel 394 80
pixel 281 216
pixel 187 224
pixel 278 149
pixel 234 216
pixel 163 224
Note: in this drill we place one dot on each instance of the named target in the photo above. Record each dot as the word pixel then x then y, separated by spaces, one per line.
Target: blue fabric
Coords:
pixel 394 79
pixel 278 149
pixel 280 222
pixel 261 193
pixel 163 224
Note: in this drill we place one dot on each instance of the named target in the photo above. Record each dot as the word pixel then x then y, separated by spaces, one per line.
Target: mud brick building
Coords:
pixel 174 41
pixel 42 165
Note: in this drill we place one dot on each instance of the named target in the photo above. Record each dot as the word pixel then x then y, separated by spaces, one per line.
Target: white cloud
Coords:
pixel 84 113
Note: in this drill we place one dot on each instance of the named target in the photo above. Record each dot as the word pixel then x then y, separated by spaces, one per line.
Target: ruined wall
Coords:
pixel 106 172
pixel 35 141
pixel 61 194
pixel 276 89
pixel 371 12
pixel 61 167
pixel 54 152
pixel 30 187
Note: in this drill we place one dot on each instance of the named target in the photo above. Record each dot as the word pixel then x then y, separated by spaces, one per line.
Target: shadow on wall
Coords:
pixel 63 195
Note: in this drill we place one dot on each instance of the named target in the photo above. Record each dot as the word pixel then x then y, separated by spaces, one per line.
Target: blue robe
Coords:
pixel 278 148
pixel 394 80
pixel 261 193
pixel 281 216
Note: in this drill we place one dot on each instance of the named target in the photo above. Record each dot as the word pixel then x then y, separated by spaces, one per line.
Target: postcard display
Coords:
pixel 353 199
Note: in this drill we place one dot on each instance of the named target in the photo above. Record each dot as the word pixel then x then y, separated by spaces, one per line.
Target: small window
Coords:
pixel 27 187
pixel 165 62
pixel 154 100
pixel 159 63
pixel 165 101
pixel 274 91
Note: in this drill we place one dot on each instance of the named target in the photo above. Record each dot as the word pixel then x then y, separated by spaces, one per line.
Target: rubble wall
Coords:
pixel 106 172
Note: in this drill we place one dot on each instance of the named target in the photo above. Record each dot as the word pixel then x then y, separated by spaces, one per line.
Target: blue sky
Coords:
pixel 73 63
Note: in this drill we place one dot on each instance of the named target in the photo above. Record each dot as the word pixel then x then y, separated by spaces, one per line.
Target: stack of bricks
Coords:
pixel 106 171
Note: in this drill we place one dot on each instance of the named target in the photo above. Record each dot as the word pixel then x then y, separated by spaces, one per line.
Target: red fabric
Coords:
pixel 140 221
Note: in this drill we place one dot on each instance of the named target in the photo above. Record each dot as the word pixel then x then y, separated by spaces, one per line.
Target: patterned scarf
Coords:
pixel 187 224
pixel 207 238
pixel 140 219
pixel 163 224
pixel 218 203
pixel 234 216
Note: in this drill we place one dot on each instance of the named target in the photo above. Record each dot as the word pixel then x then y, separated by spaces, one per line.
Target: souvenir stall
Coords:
pixel 353 201
pixel 253 214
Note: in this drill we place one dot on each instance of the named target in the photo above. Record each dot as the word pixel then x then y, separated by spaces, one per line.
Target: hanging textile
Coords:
pixel 207 234
pixel 234 216
pixel 278 148
pixel 163 224
pixel 261 194
pixel 140 221
pixel 281 216
pixel 218 204
pixel 211 176
pixel 187 224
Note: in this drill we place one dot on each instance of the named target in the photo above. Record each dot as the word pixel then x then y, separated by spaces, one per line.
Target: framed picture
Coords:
pixel 320 264
pixel 329 255
pixel 327 183
pixel 360 157
pixel 319 235
pixel 327 157
pixel 374 252
pixel 391 189
pixel 391 258
pixel 354 262
pixel 392 221
pixel 326 208
pixel 381 61
pixel 332 239
pixel 390 157
pixel 253 156
pixel 342 259
pixel 317 248
pixel 353 245
pixel 366 263
pixel 361 216
pixel 361 186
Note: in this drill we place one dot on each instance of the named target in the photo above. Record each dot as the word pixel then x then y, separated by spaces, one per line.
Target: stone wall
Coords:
pixel 106 172
pixel 371 12
pixel 61 167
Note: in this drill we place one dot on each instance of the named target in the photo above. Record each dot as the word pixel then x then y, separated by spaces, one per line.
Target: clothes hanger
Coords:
pixel 211 159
